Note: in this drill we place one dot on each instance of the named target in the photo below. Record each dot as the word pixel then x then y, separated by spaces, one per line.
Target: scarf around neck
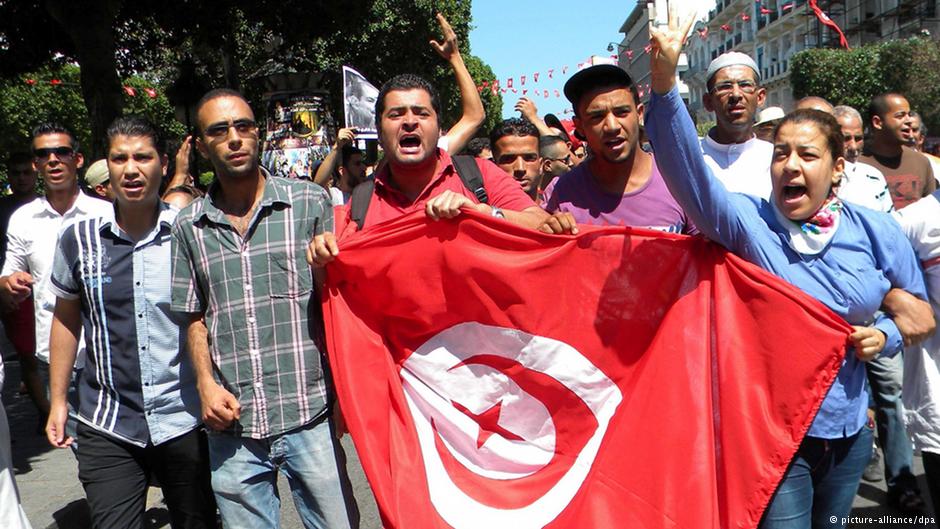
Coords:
pixel 812 235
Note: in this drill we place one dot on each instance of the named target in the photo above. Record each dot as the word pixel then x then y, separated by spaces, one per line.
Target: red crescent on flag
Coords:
pixel 574 425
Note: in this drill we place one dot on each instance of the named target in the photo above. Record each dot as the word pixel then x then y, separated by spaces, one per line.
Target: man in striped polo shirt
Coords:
pixel 255 333
pixel 138 405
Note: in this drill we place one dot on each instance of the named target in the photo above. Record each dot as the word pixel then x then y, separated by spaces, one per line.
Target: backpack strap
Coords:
pixel 359 202
pixel 470 175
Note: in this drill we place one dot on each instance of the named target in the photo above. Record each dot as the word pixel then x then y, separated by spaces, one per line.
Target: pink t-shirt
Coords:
pixel 651 206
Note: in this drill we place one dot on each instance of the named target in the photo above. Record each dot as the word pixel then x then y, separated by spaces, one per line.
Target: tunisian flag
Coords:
pixel 495 377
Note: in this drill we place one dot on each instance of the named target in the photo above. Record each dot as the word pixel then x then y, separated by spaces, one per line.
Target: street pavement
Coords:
pixel 53 498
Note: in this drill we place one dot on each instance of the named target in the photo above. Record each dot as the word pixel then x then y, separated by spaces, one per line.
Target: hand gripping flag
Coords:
pixel 493 376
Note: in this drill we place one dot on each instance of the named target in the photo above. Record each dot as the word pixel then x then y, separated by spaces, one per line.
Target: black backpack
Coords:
pixel 466 167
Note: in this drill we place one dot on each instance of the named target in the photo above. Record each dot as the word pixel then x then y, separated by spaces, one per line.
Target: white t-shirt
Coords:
pixel 741 167
pixel 443 143
pixel 337 197
pixel 934 165
pixel 864 185
pixel 31 242
pixel 921 223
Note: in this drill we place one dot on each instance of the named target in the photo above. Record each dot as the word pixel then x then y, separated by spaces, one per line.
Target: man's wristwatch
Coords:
pixel 498 213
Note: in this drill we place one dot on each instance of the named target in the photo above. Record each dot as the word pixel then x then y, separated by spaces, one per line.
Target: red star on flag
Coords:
pixel 488 421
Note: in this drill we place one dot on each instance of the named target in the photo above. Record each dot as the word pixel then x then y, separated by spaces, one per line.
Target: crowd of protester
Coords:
pixel 165 333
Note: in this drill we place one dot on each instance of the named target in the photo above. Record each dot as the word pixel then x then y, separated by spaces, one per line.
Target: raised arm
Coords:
pixel 529 111
pixel 473 113
pixel 678 153
pixel 325 172
pixel 181 175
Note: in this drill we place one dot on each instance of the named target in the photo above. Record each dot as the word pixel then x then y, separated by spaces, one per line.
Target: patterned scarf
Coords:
pixel 813 235
pixel 825 219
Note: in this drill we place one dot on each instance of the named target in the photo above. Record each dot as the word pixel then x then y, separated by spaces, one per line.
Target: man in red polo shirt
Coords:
pixel 419 176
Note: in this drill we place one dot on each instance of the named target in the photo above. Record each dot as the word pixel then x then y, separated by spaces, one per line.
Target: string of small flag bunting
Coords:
pixel 129 90
pixel 495 86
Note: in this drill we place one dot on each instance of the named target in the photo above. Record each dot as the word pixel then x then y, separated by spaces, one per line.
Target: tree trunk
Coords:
pixel 90 25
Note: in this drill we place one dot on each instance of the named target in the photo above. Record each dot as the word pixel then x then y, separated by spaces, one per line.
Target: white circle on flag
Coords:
pixel 473 375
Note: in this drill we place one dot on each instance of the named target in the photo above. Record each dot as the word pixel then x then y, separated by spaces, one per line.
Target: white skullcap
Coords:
pixel 732 58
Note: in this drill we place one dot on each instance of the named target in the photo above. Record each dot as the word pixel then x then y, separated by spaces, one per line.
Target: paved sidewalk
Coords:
pixel 53 497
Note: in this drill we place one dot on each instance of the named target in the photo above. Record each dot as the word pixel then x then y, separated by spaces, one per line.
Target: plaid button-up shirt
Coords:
pixel 256 292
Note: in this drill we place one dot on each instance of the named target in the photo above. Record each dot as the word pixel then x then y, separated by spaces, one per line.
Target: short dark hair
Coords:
pixel 476 146
pixel 879 104
pixel 923 126
pixel 216 93
pixel 53 127
pixel 187 189
pixel 19 157
pixel 346 154
pixel 405 81
pixel 548 142
pixel 512 127
pixel 597 77
pixel 136 126
pixel 824 122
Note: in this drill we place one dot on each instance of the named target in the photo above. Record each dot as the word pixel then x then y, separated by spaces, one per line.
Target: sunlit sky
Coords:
pixel 521 37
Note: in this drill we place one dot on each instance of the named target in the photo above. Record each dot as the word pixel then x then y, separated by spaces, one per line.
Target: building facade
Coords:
pixel 631 52
pixel 772 31
pixel 636 36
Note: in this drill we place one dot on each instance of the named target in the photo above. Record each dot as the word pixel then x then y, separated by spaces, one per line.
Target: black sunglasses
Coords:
pixel 244 127
pixel 60 152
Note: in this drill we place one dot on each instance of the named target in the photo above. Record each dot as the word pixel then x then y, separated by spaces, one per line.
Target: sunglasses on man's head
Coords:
pixel 60 152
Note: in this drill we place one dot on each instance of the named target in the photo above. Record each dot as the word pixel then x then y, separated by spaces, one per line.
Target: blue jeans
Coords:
pixel 820 484
pixel 244 478
pixel 884 377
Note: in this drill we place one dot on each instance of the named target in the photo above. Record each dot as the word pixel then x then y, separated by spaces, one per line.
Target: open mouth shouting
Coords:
pixel 409 144
pixel 133 188
pixel 616 144
pixel 793 193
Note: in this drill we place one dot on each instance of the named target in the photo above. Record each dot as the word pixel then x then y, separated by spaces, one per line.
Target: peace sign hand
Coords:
pixel 666 42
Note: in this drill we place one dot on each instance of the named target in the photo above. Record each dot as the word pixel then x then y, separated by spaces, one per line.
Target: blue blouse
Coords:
pixel 867 256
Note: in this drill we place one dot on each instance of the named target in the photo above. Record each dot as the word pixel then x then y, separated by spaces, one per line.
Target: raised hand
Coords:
pixel 666 42
pixel 527 108
pixel 345 137
pixel 448 47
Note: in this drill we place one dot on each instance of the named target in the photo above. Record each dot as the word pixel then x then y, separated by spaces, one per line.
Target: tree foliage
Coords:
pixel 233 43
pixel 29 99
pixel 910 67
